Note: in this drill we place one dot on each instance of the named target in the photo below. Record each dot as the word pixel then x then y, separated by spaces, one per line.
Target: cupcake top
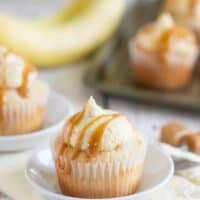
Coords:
pixel 14 70
pixel 164 36
pixel 184 11
pixel 16 76
pixel 95 131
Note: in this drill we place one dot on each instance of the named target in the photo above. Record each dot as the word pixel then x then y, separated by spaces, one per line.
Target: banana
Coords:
pixel 52 42
pixel 73 9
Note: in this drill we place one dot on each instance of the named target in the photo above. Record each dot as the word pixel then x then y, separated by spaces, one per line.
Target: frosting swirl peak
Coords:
pixel 12 70
pixel 96 130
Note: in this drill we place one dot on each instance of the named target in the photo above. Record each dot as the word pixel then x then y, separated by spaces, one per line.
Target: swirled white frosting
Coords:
pixel 148 37
pixel 14 66
pixel 181 41
pixel 118 132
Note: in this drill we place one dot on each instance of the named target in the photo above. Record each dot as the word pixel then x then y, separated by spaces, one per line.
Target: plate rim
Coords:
pixel 58 196
pixel 7 141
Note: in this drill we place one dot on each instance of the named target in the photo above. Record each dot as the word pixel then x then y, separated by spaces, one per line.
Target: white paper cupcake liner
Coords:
pixel 23 115
pixel 101 180
pixel 172 72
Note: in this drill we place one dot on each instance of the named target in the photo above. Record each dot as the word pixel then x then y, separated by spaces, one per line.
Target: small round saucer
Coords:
pixel 58 108
pixel 41 174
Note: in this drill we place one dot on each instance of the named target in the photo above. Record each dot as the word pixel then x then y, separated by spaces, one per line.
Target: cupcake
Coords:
pixel 22 96
pixel 98 154
pixel 163 54
pixel 185 12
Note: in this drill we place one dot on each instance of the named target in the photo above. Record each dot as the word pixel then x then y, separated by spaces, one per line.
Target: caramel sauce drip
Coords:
pixel 73 122
pixel 23 89
pixel 69 128
pixel 63 146
pixel 95 141
pixel 77 149
pixel 173 34
pixel 177 32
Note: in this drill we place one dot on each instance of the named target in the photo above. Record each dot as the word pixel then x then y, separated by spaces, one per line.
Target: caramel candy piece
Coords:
pixel 174 133
pixel 193 142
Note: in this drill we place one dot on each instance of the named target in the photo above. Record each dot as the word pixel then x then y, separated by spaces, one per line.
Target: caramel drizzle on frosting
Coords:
pixel 73 122
pixel 69 128
pixel 96 136
pixel 174 33
pixel 95 141
pixel 23 89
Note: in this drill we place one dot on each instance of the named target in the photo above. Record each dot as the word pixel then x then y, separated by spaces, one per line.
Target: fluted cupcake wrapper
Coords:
pixel 23 116
pixel 100 180
pixel 149 69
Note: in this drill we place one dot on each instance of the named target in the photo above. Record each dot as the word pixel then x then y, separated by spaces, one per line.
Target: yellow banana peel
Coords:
pixel 67 37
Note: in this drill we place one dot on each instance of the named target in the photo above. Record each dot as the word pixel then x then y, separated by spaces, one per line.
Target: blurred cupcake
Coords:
pixel 163 54
pixel 185 12
pixel 98 154
pixel 22 97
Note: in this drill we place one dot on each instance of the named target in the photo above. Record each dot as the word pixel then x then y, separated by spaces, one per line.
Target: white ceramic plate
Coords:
pixel 41 174
pixel 58 108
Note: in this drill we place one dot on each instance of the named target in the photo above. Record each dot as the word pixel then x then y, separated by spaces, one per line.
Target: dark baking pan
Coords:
pixel 111 72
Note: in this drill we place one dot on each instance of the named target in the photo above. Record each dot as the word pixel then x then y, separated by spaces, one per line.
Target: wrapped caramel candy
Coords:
pixel 174 133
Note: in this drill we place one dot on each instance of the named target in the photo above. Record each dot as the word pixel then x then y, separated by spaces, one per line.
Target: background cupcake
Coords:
pixel 98 154
pixel 163 54
pixel 185 12
pixel 22 97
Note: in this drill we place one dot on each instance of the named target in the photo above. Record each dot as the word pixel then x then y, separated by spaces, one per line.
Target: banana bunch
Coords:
pixel 69 36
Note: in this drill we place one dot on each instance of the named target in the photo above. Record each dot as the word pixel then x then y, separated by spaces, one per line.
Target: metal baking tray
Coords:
pixel 111 73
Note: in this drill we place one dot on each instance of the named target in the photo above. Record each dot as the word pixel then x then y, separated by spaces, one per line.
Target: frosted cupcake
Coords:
pixel 98 154
pixel 163 54
pixel 185 12
pixel 22 96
